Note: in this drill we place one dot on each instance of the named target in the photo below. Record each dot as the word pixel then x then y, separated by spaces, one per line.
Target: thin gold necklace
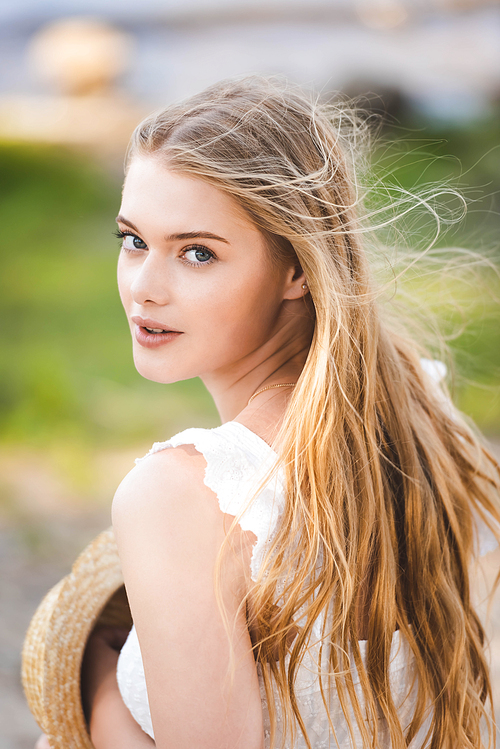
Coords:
pixel 270 387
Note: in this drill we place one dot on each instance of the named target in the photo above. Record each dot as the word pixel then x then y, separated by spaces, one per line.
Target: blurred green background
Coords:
pixel 68 387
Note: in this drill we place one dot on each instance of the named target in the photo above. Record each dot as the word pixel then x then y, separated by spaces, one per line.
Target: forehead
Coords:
pixel 156 194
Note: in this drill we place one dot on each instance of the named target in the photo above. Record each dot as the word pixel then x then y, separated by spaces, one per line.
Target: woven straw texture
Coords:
pixel 55 642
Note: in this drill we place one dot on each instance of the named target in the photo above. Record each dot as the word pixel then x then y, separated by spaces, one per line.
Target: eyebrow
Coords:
pixel 182 235
pixel 120 219
pixel 196 235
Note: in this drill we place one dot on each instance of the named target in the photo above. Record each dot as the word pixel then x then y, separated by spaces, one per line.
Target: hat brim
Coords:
pixel 56 639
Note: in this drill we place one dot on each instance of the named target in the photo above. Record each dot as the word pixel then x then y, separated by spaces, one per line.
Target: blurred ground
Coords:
pixel 25 576
pixel 43 528
pixel 38 543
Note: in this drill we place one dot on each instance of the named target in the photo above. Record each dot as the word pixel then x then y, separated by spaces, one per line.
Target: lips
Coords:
pixel 151 333
pixel 155 327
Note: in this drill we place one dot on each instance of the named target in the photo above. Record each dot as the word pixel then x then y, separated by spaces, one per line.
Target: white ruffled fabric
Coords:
pixel 237 460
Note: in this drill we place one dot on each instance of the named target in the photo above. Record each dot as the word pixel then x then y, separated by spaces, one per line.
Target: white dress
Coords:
pixel 237 459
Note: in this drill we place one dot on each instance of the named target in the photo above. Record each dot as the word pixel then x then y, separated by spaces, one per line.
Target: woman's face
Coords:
pixel 194 265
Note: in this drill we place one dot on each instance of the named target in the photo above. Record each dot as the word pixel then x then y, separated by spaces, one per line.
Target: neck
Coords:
pixel 278 361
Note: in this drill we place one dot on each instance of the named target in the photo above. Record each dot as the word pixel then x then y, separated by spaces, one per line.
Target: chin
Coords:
pixel 161 377
pixel 159 374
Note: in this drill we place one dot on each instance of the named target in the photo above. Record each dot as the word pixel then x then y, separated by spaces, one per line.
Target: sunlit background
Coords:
pixel 75 78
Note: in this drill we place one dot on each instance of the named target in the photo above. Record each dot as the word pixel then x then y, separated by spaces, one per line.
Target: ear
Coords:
pixel 295 282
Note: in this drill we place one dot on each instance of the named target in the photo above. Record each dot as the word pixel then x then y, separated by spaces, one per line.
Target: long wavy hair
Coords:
pixel 383 481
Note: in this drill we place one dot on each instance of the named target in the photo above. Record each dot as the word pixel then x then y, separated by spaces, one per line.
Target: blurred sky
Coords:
pixel 443 56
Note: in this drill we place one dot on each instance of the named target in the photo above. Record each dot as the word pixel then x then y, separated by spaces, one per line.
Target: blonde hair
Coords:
pixel 381 480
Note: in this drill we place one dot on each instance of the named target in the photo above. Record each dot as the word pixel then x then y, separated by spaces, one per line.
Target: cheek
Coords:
pixel 244 314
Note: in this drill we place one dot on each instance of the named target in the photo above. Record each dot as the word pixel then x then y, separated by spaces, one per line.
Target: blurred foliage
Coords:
pixel 415 154
pixel 66 372
pixel 461 288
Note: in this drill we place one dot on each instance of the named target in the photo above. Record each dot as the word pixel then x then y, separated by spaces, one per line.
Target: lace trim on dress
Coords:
pixel 237 461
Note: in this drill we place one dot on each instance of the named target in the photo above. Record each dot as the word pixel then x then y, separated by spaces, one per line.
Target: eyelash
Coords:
pixel 122 234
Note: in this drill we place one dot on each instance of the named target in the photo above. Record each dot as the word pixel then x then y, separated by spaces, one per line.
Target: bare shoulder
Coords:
pixel 171 473
pixel 163 508
pixel 164 497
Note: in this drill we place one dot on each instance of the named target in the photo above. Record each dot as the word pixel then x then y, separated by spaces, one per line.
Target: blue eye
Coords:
pixel 199 256
pixel 130 242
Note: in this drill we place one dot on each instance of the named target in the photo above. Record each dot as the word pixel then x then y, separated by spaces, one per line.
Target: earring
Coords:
pixel 304 286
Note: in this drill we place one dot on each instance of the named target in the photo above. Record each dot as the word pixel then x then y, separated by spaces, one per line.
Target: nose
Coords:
pixel 150 283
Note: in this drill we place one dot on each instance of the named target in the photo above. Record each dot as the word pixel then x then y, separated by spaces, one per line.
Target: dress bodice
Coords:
pixel 237 462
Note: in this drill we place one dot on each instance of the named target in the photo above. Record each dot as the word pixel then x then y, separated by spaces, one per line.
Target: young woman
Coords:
pixel 299 576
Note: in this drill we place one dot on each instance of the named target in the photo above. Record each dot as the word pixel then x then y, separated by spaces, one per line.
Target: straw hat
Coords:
pixel 55 642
